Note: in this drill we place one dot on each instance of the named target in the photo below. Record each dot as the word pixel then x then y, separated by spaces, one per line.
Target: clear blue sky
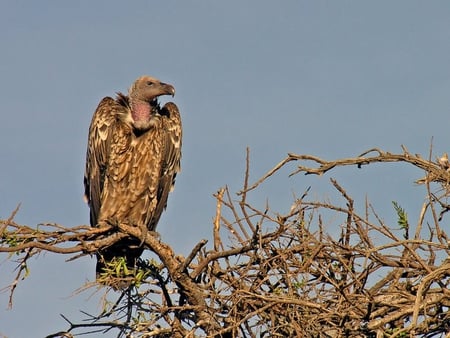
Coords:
pixel 329 78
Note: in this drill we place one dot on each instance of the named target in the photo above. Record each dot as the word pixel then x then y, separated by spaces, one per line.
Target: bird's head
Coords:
pixel 147 89
pixel 144 104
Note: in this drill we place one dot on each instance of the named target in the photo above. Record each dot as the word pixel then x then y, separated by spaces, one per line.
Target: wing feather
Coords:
pixel 171 158
pixel 99 141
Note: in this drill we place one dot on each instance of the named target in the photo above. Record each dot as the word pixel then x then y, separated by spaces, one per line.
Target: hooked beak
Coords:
pixel 168 89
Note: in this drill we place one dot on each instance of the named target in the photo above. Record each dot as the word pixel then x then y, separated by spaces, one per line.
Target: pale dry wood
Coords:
pixel 278 275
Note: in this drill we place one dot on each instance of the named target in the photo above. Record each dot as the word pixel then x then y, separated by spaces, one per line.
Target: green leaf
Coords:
pixel 402 215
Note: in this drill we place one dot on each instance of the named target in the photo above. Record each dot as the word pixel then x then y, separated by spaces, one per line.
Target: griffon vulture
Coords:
pixel 133 156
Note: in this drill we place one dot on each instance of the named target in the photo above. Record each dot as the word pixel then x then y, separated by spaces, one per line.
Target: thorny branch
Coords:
pixel 279 275
pixel 436 171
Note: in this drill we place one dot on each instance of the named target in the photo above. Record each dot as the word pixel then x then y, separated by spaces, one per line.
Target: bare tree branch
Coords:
pixel 276 275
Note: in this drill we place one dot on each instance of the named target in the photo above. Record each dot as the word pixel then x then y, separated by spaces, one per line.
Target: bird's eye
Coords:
pixel 149 83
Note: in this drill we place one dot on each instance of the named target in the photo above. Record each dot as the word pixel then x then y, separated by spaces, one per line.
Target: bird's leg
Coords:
pixel 144 231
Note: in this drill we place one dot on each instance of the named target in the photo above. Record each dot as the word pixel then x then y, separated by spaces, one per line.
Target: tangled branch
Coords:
pixel 279 275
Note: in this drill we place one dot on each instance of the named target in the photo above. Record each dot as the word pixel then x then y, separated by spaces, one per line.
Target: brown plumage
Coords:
pixel 133 156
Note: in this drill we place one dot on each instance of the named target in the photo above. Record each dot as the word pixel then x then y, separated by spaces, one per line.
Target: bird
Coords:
pixel 133 156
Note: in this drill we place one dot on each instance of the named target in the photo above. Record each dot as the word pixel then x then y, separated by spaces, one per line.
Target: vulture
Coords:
pixel 133 156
